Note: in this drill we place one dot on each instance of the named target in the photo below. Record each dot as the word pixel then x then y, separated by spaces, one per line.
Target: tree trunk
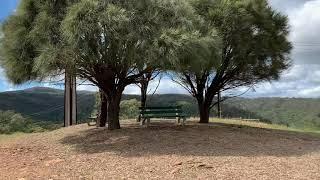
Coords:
pixel 219 105
pixel 144 89
pixel 102 117
pixel 204 111
pixel 113 111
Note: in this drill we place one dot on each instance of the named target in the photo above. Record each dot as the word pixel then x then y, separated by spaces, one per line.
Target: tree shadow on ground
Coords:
pixel 214 139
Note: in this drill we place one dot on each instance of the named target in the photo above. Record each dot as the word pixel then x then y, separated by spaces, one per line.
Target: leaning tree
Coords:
pixel 111 43
pixel 235 43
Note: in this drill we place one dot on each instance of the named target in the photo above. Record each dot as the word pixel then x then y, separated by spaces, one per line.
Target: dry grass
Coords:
pixel 162 151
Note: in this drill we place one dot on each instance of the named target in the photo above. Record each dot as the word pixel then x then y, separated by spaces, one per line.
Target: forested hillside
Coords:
pixel 293 112
pixel 45 104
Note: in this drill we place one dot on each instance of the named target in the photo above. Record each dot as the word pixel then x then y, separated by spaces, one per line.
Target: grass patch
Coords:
pixel 262 125
pixel 11 137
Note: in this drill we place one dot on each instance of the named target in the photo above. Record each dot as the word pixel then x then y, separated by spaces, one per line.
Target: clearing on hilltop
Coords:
pixel 237 150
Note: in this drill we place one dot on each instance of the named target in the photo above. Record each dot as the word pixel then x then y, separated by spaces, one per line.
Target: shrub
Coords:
pixel 11 122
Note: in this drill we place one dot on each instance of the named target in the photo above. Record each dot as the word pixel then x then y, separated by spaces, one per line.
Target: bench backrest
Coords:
pixel 160 110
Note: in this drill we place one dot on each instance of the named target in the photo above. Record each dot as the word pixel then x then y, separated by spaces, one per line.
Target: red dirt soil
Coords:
pixel 162 151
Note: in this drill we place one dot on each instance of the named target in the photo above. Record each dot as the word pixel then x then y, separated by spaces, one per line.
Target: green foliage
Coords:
pixel 256 35
pixel 16 49
pixel 46 36
pixel 292 112
pixel 120 36
pixel 232 43
pixel 129 109
pixel 45 104
pixel 188 108
pixel 213 45
pixel 26 35
pixel 295 113
pixel 11 122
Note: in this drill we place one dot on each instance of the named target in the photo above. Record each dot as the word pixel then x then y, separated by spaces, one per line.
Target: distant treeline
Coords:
pixel 46 105
pixel 292 112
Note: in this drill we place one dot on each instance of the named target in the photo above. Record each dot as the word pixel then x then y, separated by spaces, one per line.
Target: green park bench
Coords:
pixel 147 113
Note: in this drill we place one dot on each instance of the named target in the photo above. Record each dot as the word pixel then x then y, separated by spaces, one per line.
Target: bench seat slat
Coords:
pixel 163 115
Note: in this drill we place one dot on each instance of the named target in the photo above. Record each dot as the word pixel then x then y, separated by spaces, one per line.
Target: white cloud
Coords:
pixel 305 25
pixel 305 22
pixel 310 92
pixel 87 88
pixel 287 5
pixel 166 86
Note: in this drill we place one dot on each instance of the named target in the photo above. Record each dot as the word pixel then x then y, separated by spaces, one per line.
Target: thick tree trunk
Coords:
pixel 204 114
pixel 204 111
pixel 113 111
pixel 102 117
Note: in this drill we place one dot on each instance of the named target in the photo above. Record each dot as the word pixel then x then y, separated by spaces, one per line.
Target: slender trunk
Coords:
pixel 144 89
pixel 102 116
pixel 143 100
pixel 114 110
pixel 219 105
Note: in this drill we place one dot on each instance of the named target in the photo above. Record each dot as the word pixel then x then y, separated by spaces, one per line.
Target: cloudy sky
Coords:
pixel 301 80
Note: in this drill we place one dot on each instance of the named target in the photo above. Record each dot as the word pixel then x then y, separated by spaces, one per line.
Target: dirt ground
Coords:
pixel 162 151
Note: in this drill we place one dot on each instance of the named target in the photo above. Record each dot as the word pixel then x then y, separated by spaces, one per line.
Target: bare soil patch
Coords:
pixel 162 151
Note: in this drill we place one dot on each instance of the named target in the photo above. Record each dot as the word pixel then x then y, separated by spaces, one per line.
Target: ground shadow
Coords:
pixel 193 140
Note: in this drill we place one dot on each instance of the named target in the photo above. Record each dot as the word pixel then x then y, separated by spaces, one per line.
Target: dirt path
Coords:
pixel 161 152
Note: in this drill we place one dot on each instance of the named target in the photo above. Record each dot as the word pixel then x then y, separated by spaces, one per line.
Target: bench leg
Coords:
pixel 143 121
pixel 178 120
pixel 148 122
pixel 139 118
pixel 184 121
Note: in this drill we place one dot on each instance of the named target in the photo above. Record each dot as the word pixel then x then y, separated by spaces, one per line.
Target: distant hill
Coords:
pixel 46 104
pixel 293 112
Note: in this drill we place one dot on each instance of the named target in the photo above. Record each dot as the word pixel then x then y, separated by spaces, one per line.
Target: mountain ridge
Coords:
pixel 46 104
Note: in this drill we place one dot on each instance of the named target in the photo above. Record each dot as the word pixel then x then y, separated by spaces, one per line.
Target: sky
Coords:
pixel 301 80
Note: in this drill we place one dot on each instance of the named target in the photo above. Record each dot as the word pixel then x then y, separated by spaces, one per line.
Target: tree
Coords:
pixel 111 43
pixel 100 109
pixel 144 84
pixel 17 50
pixel 235 43
pixel 129 108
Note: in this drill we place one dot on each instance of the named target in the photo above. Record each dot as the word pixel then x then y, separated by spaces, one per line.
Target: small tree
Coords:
pixel 235 43
pixel 144 84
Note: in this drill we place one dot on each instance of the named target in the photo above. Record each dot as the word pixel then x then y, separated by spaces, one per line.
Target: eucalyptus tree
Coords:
pixel 235 43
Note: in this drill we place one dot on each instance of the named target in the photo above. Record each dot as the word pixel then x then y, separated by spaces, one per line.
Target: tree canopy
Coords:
pixel 211 45
pixel 235 43
pixel 110 43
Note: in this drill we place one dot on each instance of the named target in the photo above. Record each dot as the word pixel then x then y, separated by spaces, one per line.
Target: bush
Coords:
pixel 11 122
pixel 129 109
